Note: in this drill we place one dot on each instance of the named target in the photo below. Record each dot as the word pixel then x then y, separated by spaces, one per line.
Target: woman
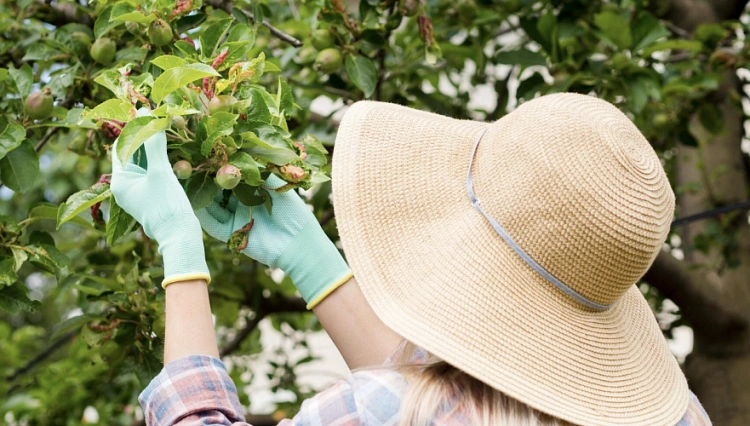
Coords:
pixel 495 271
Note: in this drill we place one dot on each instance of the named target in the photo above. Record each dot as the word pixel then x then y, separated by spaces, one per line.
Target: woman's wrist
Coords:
pixel 190 327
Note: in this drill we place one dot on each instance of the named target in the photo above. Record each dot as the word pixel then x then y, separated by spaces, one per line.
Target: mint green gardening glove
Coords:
pixel 290 239
pixel 154 197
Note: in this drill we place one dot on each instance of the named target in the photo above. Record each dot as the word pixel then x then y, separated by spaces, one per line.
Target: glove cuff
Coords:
pixel 314 264
pixel 181 245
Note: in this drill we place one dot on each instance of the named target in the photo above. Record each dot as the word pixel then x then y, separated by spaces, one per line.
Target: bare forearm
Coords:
pixel 361 337
pixel 190 327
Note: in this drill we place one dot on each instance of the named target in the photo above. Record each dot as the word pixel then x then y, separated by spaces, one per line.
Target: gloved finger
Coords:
pixel 156 152
pixel 212 226
pixel 219 213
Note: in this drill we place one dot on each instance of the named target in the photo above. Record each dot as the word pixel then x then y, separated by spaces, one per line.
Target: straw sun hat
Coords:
pixel 516 263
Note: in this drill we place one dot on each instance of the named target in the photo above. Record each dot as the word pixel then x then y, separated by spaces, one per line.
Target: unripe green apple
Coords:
pixel 103 51
pixel 322 39
pixel 221 103
pixel 133 27
pixel 159 33
pixel 179 122
pixel 81 38
pixel 38 105
pixel 183 169
pixel 228 177
pixel 328 61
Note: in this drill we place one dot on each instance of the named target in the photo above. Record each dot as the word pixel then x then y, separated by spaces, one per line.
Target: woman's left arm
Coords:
pixel 194 387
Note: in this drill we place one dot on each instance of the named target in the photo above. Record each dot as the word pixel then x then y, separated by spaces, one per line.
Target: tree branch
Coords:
pixel 242 335
pixel 273 305
pixel 281 35
pixel 699 303
pixel 41 356
pixel 45 138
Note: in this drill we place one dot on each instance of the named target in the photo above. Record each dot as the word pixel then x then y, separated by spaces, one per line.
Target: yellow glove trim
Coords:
pixel 186 277
pixel 330 290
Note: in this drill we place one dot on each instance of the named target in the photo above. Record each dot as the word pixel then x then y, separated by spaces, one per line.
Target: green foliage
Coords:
pixel 76 273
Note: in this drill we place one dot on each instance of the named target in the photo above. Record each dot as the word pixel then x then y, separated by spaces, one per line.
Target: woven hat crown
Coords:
pixel 579 188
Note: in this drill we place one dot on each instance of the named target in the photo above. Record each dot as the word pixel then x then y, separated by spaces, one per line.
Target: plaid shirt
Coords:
pixel 197 391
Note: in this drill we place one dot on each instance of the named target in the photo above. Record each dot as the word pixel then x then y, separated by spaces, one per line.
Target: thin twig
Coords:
pixel 678 31
pixel 327 89
pixel 327 217
pixel 281 35
pixel 242 335
pixel 45 138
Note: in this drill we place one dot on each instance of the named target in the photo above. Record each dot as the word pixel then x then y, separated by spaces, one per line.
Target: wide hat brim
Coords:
pixel 436 272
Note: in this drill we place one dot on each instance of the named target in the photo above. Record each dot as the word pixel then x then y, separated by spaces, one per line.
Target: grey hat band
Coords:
pixel 516 248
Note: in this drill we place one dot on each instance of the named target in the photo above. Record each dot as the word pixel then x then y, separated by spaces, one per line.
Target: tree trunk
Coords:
pixel 713 298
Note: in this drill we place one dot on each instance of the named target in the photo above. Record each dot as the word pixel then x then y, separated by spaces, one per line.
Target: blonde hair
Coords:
pixel 437 390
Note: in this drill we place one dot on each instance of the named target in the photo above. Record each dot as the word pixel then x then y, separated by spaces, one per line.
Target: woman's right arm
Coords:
pixel 361 337
pixel 290 238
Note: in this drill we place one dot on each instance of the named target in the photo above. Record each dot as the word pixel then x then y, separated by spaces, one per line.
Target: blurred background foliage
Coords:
pixel 82 317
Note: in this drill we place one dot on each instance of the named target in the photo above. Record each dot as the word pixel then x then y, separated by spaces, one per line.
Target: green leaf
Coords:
pixel 678 44
pixel 248 167
pixel 73 120
pixel 166 62
pixel 267 143
pixel 23 78
pixel 73 323
pixel 711 34
pixel 169 110
pixel 200 190
pixel 113 109
pixel 80 201
pixel 120 223
pixel 42 52
pixel 49 258
pixel 647 29
pixel 3 74
pixel 131 54
pixel 213 127
pixel 316 152
pixel 111 80
pixel 522 57
pixel 19 256
pixel 135 133
pixel 175 78
pixel 92 338
pixel 11 135
pixel 8 272
pixel 212 36
pixel 248 195
pixel 103 24
pixel 15 299
pixel 124 12
pixel 284 98
pixel 362 72
pixel 615 28
pixel 48 211
pixel 258 110
pixel 19 169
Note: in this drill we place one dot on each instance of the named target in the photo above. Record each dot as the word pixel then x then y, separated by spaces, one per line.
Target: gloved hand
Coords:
pixel 154 197
pixel 290 239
